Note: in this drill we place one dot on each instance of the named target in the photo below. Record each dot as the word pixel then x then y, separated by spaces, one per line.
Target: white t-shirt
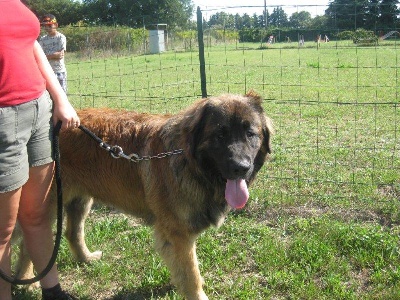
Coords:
pixel 52 44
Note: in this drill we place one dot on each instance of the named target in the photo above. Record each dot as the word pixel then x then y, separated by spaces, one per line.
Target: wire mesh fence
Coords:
pixel 334 103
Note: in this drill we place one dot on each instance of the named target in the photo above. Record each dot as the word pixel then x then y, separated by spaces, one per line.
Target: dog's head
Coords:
pixel 229 139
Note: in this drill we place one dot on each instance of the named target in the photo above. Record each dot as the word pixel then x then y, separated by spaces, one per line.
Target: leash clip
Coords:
pixel 105 146
pixel 116 152
pixel 134 157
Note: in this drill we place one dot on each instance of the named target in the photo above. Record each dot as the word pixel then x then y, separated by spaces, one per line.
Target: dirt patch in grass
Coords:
pixel 273 215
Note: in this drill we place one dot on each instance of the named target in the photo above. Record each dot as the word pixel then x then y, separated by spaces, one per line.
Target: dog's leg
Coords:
pixel 179 253
pixel 77 210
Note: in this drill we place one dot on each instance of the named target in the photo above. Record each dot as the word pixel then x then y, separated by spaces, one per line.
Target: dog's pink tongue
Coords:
pixel 236 193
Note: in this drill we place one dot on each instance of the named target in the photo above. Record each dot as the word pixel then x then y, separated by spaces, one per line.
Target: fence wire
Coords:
pixel 335 106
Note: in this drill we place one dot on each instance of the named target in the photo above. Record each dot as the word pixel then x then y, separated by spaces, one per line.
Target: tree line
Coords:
pixel 340 14
pixel 375 17
pixel 176 13
pixel 367 14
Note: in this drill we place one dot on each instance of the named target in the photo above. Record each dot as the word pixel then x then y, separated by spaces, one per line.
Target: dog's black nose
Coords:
pixel 240 168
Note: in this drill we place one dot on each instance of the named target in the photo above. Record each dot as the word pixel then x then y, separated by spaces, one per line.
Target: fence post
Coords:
pixel 201 53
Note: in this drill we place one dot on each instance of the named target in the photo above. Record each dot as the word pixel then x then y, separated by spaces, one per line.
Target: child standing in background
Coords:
pixel 54 45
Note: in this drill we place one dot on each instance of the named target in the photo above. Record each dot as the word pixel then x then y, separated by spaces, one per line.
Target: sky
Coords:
pixel 210 7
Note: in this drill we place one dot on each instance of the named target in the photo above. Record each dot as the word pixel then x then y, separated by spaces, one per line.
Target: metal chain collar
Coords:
pixel 117 152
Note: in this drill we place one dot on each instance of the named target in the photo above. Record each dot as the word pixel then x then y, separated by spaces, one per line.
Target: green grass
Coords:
pixel 323 221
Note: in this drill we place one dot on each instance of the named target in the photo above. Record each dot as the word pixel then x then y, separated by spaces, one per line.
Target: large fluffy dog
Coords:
pixel 225 141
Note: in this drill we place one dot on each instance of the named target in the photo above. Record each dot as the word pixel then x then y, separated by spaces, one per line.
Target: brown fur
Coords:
pixel 180 195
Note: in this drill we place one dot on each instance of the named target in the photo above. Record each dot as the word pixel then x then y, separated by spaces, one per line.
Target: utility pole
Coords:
pixel 265 14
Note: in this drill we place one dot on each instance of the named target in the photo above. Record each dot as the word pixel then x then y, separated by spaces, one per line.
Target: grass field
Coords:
pixel 323 221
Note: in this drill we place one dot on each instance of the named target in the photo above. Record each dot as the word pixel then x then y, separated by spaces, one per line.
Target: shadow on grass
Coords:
pixel 143 293
pixel 21 293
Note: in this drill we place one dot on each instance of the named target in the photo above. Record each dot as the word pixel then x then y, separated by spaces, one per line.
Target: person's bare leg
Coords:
pixel 34 218
pixel 9 203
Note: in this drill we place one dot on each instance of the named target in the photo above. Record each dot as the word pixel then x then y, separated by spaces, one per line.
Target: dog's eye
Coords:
pixel 250 133
pixel 221 133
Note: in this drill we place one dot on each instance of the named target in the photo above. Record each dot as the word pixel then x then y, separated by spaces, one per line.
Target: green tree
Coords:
pixel 300 20
pixel 238 21
pixel 278 17
pixel 223 20
pixel 344 14
pixel 372 14
pixel 388 13
pixel 139 13
pixel 319 22
pixel 66 11
pixel 367 14
pixel 247 21
pixel 257 21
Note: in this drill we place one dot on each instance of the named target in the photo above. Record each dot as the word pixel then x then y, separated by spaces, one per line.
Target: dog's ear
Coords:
pixel 268 131
pixel 265 149
pixel 255 98
pixel 194 124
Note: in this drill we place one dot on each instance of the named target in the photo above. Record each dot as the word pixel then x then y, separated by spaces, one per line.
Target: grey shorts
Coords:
pixel 62 79
pixel 25 140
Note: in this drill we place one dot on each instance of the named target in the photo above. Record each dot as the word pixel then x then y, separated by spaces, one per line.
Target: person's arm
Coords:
pixel 59 54
pixel 56 55
pixel 63 110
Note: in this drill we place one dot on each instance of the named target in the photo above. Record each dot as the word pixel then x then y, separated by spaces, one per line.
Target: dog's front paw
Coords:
pixel 87 256
pixel 96 255
pixel 199 296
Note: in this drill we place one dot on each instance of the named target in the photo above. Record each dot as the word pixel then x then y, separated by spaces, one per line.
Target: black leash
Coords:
pixel 56 149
